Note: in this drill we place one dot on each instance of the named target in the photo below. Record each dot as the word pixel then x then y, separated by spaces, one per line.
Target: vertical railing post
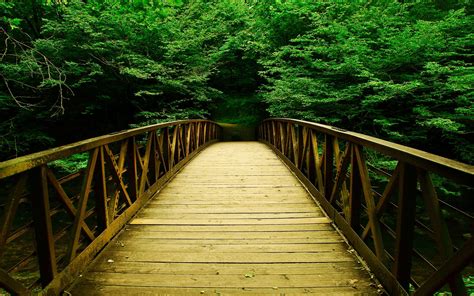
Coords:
pixel 132 168
pixel 100 192
pixel 165 149
pixel 405 224
pixel 43 227
pixel 328 165
pixel 355 193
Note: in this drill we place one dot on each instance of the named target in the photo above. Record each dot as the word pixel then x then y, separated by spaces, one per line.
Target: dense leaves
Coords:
pixel 399 71
pixel 380 70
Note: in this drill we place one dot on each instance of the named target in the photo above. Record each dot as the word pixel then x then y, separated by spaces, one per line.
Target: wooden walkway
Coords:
pixel 233 221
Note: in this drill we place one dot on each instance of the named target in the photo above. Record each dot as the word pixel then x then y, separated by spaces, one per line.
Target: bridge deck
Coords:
pixel 233 221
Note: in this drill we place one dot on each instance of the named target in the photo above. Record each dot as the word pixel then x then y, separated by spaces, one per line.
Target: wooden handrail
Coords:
pixel 124 170
pixel 23 163
pixel 463 173
pixel 338 175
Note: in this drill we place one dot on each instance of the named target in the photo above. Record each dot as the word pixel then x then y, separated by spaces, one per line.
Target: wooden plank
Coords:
pixel 95 289
pixel 225 201
pixel 254 221
pixel 239 208
pixel 241 180
pixel 152 214
pixel 104 265
pixel 199 234
pixel 223 281
pixel 230 228
pixel 149 237
pixel 233 234
pixel 132 246
pixel 233 190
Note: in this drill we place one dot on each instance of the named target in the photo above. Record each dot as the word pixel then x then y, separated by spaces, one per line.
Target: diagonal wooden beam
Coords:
pixel 385 199
pixel 174 146
pixel 140 162
pixel 454 265
pixel 84 197
pixel 441 233
pixel 369 201
pixel 146 159
pixel 116 173
pixel 317 162
pixel 9 212
pixel 341 174
pixel 11 285
pixel 64 198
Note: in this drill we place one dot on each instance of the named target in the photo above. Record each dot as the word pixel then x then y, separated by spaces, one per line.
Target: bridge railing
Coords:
pixel 61 206
pixel 399 207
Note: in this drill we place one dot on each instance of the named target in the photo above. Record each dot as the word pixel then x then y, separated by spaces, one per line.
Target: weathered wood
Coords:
pixel 80 262
pixel 43 227
pixel 24 163
pixel 441 233
pixel 9 212
pixel 146 160
pixel 369 200
pixel 231 231
pixel 405 224
pixel 317 162
pixel 385 198
pixel 11 285
pixel 355 194
pixel 100 192
pixel 328 166
pixel 116 172
pixel 81 210
pixel 383 274
pixel 451 268
pixel 64 198
pixel 349 267
pixel 342 167
pixel 463 173
pixel 132 169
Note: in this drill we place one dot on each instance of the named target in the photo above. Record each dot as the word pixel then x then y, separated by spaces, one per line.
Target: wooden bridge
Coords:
pixel 168 209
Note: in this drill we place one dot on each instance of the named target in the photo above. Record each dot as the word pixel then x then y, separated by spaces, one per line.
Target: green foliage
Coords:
pixel 379 70
pixel 399 71
pixel 71 164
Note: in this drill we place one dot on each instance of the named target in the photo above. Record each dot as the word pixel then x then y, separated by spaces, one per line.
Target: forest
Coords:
pixel 398 70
